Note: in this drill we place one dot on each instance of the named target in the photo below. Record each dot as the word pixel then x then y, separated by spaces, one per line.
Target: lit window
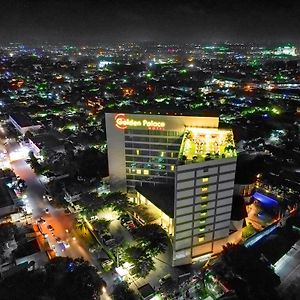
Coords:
pixel 204 189
pixel 137 152
pixel 201 229
pixel 203 197
pixel 172 167
pixel 138 171
pixel 200 238
pixel 202 222
pixel 203 214
pixel 172 154
pixel 162 154
pixel 146 172
pixel 203 205
pixel 205 179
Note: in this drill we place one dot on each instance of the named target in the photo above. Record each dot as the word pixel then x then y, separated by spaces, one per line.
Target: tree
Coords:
pixel 142 262
pixel 86 161
pixel 23 285
pixel 74 279
pixel 118 201
pixel 153 237
pixel 122 291
pixel 246 273
pixel 6 234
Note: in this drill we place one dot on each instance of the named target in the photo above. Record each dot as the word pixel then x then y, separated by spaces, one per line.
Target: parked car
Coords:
pixel 164 279
pixel 106 264
pixel 110 243
pixel 50 227
pixel 41 221
pixel 59 240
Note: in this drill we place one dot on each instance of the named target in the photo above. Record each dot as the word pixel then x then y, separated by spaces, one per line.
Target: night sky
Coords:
pixel 141 20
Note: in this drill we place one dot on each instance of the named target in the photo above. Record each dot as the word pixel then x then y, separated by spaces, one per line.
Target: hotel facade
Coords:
pixel 180 171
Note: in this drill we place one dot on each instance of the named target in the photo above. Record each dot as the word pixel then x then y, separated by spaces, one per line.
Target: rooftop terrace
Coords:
pixel 203 144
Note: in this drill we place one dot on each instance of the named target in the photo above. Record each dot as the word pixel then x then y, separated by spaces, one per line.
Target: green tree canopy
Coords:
pixel 122 291
pixel 153 237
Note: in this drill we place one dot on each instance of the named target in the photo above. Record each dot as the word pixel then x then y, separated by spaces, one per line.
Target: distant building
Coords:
pixel 23 123
pixel 180 171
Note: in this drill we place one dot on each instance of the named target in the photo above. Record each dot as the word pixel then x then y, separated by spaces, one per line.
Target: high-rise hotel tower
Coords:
pixel 180 171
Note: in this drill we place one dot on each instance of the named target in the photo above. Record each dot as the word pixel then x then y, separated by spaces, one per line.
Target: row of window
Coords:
pixel 149 170
pixel 152 132
pixel 149 147
pixel 150 152
pixel 166 140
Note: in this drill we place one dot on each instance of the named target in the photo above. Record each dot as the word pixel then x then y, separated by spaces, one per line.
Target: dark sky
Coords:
pixel 157 20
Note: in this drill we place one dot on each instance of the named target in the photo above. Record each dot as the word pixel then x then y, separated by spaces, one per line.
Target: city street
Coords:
pixel 64 240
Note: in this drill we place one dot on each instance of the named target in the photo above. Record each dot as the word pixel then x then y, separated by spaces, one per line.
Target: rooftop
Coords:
pixel 27 249
pixel 22 119
pixel 201 144
pixel 146 291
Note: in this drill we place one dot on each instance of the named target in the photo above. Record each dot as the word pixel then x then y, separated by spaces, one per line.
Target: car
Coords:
pixel 50 227
pixel 59 240
pixel 106 236
pixel 164 279
pixel 49 198
pixel 67 212
pixel 132 226
pixel 41 221
pixel 110 242
pixel 106 264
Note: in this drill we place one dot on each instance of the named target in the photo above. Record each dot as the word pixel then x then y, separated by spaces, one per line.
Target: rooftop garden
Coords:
pixel 203 144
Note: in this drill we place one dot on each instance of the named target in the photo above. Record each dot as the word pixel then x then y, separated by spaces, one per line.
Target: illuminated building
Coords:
pixel 183 167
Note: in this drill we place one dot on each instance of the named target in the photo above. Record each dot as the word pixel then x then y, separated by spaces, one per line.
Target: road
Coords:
pixel 62 223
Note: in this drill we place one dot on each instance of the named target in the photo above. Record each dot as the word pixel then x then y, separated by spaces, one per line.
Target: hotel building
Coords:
pixel 180 171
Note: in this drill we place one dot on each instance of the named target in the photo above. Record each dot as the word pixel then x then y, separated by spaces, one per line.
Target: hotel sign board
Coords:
pixel 123 122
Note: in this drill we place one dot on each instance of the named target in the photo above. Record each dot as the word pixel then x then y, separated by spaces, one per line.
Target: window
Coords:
pixel 205 179
pixel 201 229
pixel 204 205
pixel 202 221
pixel 162 154
pixel 203 213
pixel 205 169
pixel 172 167
pixel 204 189
pixel 138 171
pixel 146 172
pixel 203 197
pixel 137 152
pixel 200 238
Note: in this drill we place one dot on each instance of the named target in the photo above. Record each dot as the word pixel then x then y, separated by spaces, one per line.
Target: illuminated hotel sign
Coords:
pixel 122 122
